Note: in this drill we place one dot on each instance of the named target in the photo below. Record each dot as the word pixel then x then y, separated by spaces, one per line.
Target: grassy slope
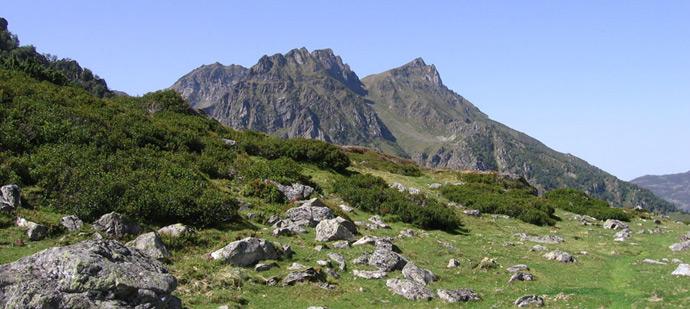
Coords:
pixel 610 275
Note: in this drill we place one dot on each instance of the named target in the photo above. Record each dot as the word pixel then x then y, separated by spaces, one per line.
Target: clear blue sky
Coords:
pixel 608 81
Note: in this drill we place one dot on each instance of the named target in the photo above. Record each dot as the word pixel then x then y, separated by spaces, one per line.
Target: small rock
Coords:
pixel 228 142
pixel 296 266
pixel 36 231
pixel 273 219
pixel 459 295
pixel 308 275
pixel 398 186
pixel 346 208
pixel 375 222
pixel 414 191
pixel 417 274
pixel 434 186
pixel 264 267
pixel 613 224
pixel 682 270
pixel 517 268
pixel 407 233
pixel 653 262
pixel 341 244
pixel 409 289
pixel 369 274
pixel 677 261
pixel 335 229
pixel 338 259
pixel 622 235
pixel 487 263
pixel 320 248
pixel 322 263
pixel 71 223
pixel 151 245
pixel 116 225
pixel 174 230
pixel 529 300
pixel 561 256
pixel 520 276
pixel 472 212
pixel 681 246
pixel 365 240
pixel 453 263
pixel 10 198
pixel 537 248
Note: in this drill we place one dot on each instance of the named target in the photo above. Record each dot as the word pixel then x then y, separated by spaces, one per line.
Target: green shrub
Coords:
pixel 269 193
pixel 579 202
pixel 372 194
pixel 382 162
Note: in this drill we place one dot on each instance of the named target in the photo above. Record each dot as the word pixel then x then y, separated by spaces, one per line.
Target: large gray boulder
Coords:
pixel 34 230
pixel 174 230
pixel 89 274
pixel 116 225
pixel 386 259
pixel 615 225
pixel 335 229
pixel 10 198
pixel 311 214
pixel 295 191
pixel 71 223
pixel 151 245
pixel 417 274
pixel 409 289
pixel 459 295
pixel 246 252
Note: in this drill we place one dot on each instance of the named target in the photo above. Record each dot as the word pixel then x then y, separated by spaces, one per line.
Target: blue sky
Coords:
pixel 608 81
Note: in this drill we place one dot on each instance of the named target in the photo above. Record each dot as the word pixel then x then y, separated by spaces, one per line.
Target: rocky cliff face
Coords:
pixel 406 111
pixel 674 188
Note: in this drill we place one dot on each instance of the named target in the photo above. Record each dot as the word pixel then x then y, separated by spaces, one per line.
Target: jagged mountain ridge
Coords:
pixel 407 111
pixel 675 188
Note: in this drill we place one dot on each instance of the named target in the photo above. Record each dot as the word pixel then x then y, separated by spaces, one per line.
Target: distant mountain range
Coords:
pixel 675 188
pixel 406 111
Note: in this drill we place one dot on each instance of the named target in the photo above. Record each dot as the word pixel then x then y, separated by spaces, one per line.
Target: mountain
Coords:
pixel 406 111
pixel 675 188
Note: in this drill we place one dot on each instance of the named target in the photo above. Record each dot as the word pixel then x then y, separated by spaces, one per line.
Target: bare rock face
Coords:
pixel 459 295
pixel 116 225
pixel 151 245
pixel 90 274
pixel 10 198
pixel 246 252
pixel 409 289
pixel 71 223
pixel 417 274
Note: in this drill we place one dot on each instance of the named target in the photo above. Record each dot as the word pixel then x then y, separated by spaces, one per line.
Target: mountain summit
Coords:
pixel 406 111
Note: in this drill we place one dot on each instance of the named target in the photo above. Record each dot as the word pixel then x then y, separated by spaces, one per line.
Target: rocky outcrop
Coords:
pixel 151 245
pixel 116 225
pixel 409 289
pixel 71 223
pixel 90 274
pixel 246 252
pixel 459 295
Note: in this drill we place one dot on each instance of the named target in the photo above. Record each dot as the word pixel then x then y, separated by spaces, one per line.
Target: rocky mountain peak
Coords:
pixel 418 69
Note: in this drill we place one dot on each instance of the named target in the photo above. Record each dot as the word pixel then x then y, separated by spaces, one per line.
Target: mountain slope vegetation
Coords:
pixel 675 188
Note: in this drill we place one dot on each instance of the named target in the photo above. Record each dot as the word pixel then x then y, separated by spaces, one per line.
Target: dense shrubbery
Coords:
pixel 580 203
pixel 378 161
pixel 371 193
pixel 491 193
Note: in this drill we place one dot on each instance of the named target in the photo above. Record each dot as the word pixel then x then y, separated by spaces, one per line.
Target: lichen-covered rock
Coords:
pixel 246 252
pixel 615 225
pixel 409 289
pixel 529 300
pixel 71 223
pixel 335 229
pixel 413 272
pixel 151 245
pixel 312 215
pixel 520 276
pixel 307 275
pixel 386 260
pixel 369 274
pixel 459 295
pixel 10 198
pixel 116 225
pixel 89 274
pixel 174 230
pixel 561 256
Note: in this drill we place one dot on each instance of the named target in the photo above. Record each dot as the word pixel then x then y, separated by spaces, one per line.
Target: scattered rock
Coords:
pixel 520 276
pixel 407 233
pixel 653 262
pixel 341 244
pixel 622 235
pixel 459 295
pixel 247 251
pixel 472 212
pixel 338 259
pixel 517 268
pixel 497 216
pixel 151 245
pixel 419 275
pixel 409 289
pixel 296 266
pixel 264 267
pixel 546 239
pixel 453 263
pixel 398 186
pixel 681 246
pixel 585 220
pixel 682 270
pixel 414 191
pixel 36 231
pixel 529 300
pixel 311 214
pixel 375 222
pixel 273 219
pixel 615 224
pixel 435 186
pixel 320 248
pixel 116 226
pixel 174 230
pixel 386 259
pixel 287 252
pixel 560 256
pixel 487 263
pixel 322 263
pixel 537 248
pixel 228 142
pixel 307 275
pixel 361 260
pixel 369 274
pixel 677 261
pixel 346 208
pixel 365 240
pixel 335 229
pixel 89 274
pixel 71 223
pixel 293 192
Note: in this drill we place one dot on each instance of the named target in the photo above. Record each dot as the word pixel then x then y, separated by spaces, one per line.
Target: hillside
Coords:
pixel 406 111
pixel 674 188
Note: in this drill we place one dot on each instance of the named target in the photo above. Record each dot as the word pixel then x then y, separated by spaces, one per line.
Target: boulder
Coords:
pixel 561 256
pixel 89 274
pixel 615 224
pixel 71 223
pixel 151 245
pixel 116 225
pixel 409 289
pixel 295 191
pixel 453 263
pixel 246 252
pixel 369 274
pixel 311 215
pixel 520 276
pixel 517 268
pixel 36 231
pixel 417 274
pixel 335 229
pixel 375 223
pixel 174 230
pixel 682 270
pixel 529 300
pixel 386 260
pixel 338 259
pixel 307 275
pixel 10 197
pixel 546 239
pixel 459 295
pixel 681 246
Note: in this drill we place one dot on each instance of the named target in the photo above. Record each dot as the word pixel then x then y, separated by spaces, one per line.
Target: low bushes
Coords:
pixel 580 203
pixel 372 194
